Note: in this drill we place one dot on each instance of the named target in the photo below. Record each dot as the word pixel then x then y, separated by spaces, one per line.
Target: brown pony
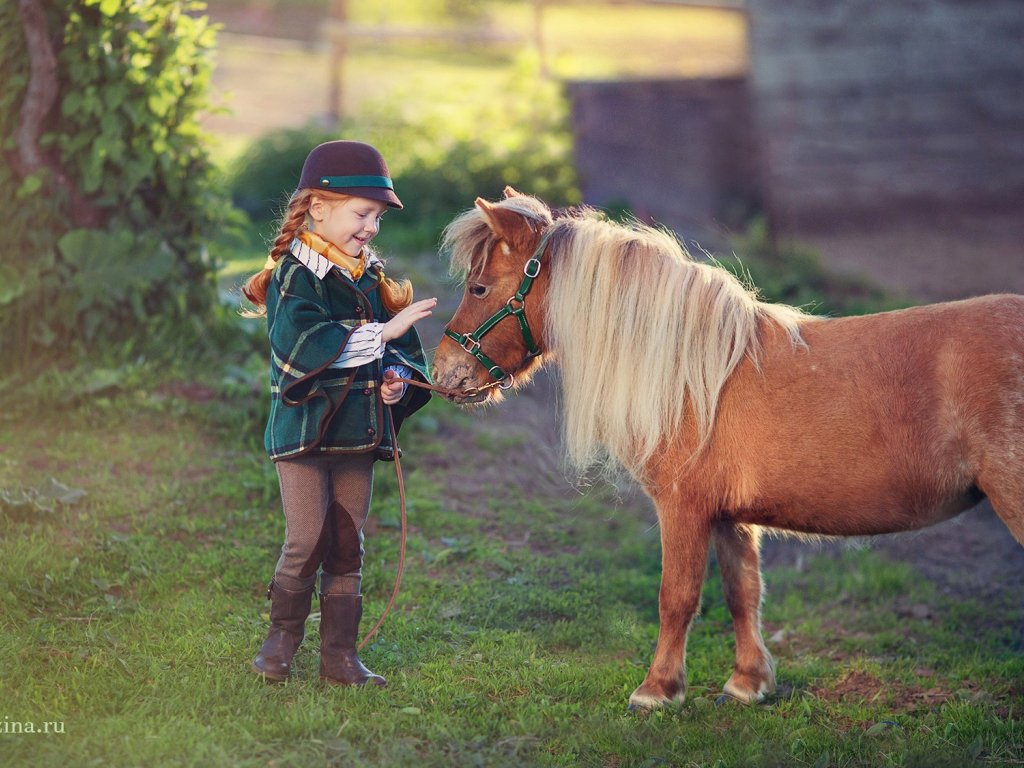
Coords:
pixel 733 414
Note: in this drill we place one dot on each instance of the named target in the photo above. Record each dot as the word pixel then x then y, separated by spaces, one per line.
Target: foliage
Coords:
pixel 795 274
pixel 441 162
pixel 267 172
pixel 133 80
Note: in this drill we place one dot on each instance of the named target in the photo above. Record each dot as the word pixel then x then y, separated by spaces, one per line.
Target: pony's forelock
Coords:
pixel 468 238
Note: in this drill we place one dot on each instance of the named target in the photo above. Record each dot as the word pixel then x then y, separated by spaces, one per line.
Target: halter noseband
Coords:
pixel 515 306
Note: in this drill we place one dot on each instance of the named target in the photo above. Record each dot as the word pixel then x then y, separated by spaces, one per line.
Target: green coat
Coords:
pixel 315 408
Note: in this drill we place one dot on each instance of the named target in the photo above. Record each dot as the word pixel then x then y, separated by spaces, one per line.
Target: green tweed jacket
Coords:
pixel 315 408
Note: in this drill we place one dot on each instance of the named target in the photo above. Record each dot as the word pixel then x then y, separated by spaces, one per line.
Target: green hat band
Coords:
pixel 356 181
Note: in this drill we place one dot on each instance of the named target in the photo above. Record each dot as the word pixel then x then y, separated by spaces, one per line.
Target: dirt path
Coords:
pixel 935 257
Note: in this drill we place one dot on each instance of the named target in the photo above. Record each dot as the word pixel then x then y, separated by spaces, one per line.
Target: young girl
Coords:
pixel 336 323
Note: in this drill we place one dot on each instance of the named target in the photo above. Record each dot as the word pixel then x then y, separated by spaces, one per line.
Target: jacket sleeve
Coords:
pixel 304 338
pixel 408 351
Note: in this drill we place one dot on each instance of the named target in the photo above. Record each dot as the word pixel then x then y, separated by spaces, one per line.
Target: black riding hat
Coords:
pixel 351 167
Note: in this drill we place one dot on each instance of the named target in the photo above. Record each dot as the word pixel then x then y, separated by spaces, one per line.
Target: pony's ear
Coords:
pixel 510 192
pixel 507 225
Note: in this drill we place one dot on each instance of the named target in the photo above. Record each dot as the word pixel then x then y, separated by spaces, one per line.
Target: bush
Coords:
pixel 265 175
pixel 440 164
pixel 131 79
pixel 794 274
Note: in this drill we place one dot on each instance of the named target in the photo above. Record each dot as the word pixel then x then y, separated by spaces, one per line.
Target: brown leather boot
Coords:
pixel 339 627
pixel 288 612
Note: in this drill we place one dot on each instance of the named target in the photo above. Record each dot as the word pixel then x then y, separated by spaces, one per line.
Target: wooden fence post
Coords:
pixel 338 43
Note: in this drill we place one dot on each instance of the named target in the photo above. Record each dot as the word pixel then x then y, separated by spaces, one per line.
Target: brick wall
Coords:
pixel 863 106
pixel 677 151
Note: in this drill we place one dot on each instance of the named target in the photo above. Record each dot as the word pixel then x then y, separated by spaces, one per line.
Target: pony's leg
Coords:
pixel 684 553
pixel 1004 486
pixel 739 559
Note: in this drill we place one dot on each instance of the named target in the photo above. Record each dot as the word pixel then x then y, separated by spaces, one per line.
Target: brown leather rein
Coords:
pixel 390 376
pixel 468 392
pixel 515 307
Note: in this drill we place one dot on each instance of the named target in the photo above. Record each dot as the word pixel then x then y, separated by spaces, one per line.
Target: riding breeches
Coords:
pixel 326 501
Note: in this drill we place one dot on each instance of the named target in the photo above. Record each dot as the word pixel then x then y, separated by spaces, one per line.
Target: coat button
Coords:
pixel 367 391
pixel 359 310
pixel 371 432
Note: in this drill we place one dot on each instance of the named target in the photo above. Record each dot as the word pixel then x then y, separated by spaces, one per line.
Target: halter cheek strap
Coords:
pixel 516 307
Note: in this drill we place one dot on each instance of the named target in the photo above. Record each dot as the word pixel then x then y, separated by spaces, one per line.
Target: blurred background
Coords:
pixel 890 138
pixel 848 156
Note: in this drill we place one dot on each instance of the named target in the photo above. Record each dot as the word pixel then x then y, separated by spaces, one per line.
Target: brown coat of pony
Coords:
pixel 735 415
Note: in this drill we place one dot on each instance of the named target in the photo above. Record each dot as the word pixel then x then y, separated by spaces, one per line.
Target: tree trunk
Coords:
pixel 41 95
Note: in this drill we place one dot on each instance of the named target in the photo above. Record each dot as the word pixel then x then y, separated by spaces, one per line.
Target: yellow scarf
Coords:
pixel 334 254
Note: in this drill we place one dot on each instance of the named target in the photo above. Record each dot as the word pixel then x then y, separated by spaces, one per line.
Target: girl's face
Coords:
pixel 349 224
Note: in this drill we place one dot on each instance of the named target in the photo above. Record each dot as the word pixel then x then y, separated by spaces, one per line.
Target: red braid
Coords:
pixel 255 288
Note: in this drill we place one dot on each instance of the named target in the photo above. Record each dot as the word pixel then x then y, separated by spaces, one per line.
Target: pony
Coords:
pixel 734 415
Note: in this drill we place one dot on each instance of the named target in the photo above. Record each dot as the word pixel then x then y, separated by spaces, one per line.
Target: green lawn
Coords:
pixel 525 620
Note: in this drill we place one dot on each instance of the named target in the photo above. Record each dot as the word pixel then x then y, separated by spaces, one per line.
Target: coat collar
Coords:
pixel 319 265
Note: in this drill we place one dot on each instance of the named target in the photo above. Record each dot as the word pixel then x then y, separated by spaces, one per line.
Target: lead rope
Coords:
pixel 401 545
pixel 390 376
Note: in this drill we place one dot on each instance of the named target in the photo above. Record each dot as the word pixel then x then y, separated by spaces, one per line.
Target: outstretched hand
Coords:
pixel 400 324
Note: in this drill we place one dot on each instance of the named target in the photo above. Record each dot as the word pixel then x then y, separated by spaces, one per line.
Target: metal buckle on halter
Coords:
pixel 531 273
pixel 515 310
pixel 470 344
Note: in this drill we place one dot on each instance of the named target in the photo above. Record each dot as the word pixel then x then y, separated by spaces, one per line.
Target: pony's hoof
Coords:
pixel 749 689
pixel 642 701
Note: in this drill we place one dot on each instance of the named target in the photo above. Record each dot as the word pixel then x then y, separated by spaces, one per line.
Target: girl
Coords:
pixel 336 323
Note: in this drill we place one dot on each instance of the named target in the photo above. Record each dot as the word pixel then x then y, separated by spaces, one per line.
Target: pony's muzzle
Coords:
pixel 468 396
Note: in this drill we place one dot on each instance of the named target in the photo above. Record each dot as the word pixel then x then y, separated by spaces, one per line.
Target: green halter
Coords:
pixel 515 306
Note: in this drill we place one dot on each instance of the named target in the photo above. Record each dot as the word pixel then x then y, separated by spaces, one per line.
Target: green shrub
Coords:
pixel 795 274
pixel 132 79
pixel 440 163
pixel 265 174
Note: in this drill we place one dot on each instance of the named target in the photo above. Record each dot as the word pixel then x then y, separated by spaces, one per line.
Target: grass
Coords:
pixel 524 623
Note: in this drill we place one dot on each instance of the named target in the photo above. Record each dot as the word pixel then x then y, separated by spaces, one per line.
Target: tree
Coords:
pixel 108 191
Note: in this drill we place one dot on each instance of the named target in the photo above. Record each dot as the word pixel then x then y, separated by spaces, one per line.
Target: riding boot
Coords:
pixel 339 626
pixel 288 612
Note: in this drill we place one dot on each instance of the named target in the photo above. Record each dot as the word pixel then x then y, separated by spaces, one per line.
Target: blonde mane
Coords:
pixel 638 328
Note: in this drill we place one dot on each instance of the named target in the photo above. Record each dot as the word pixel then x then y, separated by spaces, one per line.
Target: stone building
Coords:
pixel 890 135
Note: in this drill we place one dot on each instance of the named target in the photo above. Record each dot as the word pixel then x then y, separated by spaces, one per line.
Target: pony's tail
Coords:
pixel 255 288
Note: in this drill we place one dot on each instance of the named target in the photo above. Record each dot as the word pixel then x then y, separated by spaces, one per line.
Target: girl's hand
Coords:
pixel 400 324
pixel 391 391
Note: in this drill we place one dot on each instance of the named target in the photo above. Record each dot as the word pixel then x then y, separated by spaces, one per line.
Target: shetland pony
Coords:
pixel 733 414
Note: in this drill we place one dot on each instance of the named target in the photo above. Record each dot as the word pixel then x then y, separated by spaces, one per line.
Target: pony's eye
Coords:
pixel 475 289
